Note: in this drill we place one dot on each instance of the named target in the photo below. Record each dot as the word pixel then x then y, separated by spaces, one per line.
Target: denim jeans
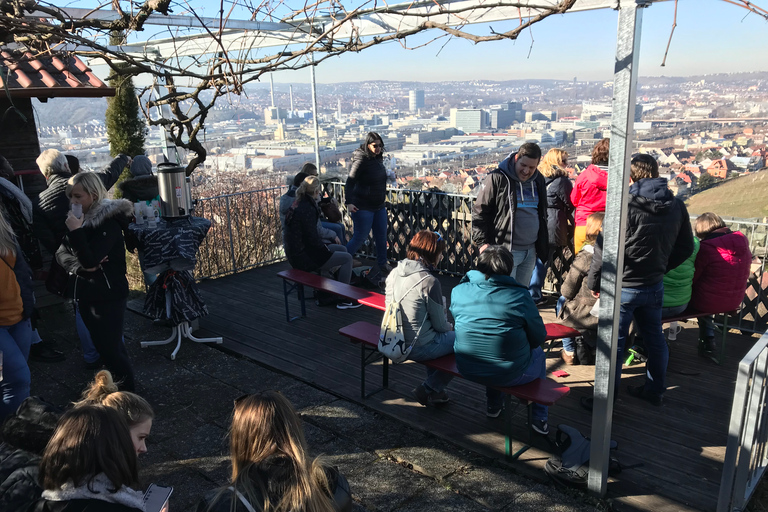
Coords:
pixel 706 327
pixel 673 310
pixel 537 369
pixel 90 354
pixel 644 305
pixel 363 221
pixel 568 343
pixel 537 280
pixel 525 261
pixel 336 228
pixel 15 341
pixel 442 345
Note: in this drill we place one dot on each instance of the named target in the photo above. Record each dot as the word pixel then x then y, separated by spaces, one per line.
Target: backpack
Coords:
pixel 392 337
pixel 571 467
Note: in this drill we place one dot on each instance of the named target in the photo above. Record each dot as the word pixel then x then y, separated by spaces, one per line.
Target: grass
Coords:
pixel 744 197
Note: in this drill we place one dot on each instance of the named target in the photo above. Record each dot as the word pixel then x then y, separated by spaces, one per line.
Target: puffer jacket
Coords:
pixel 497 326
pixel 422 307
pixel 579 299
pixel 140 188
pixel 589 193
pixel 658 236
pixel 559 210
pixel 303 246
pixel 366 185
pixel 722 271
pixel 100 236
pixel 495 208
pixel 678 282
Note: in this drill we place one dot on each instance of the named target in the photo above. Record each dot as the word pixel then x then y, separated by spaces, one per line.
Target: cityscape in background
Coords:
pixel 446 135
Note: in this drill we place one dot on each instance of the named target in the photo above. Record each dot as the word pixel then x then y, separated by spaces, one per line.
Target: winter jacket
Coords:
pixel 559 210
pixel 286 201
pixel 497 326
pixel 722 270
pixel 17 277
pixel 303 246
pixel 18 210
pixel 588 195
pixel 496 214
pixel 579 299
pixel 98 495
pixel 84 248
pixel 273 474
pixel 366 185
pixel 422 307
pixel 140 188
pixel 678 282
pixel 658 236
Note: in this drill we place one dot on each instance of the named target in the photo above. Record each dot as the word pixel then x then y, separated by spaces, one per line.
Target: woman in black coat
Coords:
pixel 93 254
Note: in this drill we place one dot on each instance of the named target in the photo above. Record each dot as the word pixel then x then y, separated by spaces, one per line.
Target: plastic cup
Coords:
pixel 77 210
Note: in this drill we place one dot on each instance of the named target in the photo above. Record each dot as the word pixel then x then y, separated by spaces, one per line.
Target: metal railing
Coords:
pixel 746 457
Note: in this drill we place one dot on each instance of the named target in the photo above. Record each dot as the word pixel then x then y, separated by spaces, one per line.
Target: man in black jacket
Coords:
pixel 511 210
pixel 658 239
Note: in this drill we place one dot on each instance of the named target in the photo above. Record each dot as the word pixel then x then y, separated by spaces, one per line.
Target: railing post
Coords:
pixel 231 239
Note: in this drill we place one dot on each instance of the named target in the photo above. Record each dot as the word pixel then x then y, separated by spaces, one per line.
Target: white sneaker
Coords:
pixel 348 305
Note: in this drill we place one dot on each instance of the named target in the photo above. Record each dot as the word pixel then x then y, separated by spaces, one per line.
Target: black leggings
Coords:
pixel 104 320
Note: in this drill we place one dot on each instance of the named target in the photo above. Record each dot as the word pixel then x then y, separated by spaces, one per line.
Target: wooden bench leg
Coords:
pixel 509 414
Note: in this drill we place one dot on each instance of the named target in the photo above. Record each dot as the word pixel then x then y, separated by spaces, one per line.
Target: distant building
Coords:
pixel 273 115
pixel 415 100
pixel 502 116
pixel 469 120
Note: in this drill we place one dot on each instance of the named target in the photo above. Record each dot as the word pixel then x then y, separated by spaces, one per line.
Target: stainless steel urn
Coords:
pixel 175 196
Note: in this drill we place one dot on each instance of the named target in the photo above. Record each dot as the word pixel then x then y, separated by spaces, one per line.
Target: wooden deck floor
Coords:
pixel 681 445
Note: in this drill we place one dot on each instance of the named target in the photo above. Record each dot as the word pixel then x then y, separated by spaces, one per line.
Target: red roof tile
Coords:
pixel 49 76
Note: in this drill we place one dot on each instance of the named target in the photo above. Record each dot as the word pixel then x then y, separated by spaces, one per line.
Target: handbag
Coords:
pixel 57 279
pixel 330 210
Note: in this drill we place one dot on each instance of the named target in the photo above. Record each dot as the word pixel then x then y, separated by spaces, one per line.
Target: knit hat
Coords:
pixel 141 166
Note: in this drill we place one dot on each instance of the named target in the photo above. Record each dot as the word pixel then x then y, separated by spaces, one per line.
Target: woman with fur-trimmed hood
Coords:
pixel 93 253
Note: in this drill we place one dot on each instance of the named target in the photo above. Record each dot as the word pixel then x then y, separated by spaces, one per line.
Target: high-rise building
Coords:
pixel 469 120
pixel 415 100
pixel 502 116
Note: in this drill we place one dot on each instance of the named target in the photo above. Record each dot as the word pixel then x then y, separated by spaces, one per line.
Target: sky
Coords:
pixel 712 36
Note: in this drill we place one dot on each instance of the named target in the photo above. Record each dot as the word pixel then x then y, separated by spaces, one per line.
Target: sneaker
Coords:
pixel 348 305
pixel 493 411
pixel 42 353
pixel 640 392
pixel 567 358
pixel 706 345
pixel 439 398
pixel 421 394
pixel 540 426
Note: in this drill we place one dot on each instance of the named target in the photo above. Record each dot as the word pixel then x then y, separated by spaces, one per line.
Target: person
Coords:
pixel 271 466
pixel 559 216
pixel 499 331
pixel 511 210
pixel 658 239
pixel 16 303
pixel 304 248
pixel 425 326
pixel 93 254
pixel 329 236
pixel 720 273
pixel 136 411
pixel 576 302
pixel 142 185
pixel 366 194
pixel 90 464
pixel 589 192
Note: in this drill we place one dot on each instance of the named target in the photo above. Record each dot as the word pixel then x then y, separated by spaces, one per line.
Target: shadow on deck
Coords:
pixel 680 446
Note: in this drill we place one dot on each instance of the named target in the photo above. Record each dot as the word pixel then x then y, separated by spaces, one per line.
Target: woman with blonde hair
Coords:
pixel 559 216
pixel 93 254
pixel 271 466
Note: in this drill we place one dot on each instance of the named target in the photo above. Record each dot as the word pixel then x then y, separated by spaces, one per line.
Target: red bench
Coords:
pixel 300 278
pixel 544 392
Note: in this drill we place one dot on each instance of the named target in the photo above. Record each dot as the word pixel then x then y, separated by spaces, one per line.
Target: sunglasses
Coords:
pixel 377 145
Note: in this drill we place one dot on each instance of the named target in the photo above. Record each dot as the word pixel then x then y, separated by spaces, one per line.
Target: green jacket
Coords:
pixel 678 282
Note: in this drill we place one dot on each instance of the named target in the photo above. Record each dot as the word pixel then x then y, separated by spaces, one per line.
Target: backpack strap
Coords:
pixel 426 314
pixel 242 499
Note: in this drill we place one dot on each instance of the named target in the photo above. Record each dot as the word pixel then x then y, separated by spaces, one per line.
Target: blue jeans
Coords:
pixel 90 354
pixel 336 228
pixel 15 341
pixel 706 326
pixel 644 305
pixel 568 343
pixel 537 280
pixel 442 345
pixel 525 261
pixel 537 369
pixel 363 221
pixel 673 310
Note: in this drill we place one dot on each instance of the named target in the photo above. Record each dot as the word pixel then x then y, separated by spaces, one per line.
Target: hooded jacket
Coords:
pixel 18 210
pixel 100 236
pixel 589 193
pixel 366 185
pixel 500 215
pixel 497 326
pixel 303 246
pixel 140 188
pixel 559 210
pixel 96 495
pixel 658 236
pixel 678 282
pixel 721 271
pixel 422 307
pixel 578 298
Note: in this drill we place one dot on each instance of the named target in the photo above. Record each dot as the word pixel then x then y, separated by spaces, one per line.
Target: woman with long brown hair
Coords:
pixel 271 466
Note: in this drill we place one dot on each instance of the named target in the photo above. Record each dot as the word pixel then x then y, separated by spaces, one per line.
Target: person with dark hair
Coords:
pixel 511 210
pixel 90 464
pixel 142 185
pixel 425 323
pixel 499 331
pixel 589 192
pixel 74 164
pixel 309 169
pixel 658 239
pixel 271 465
pixel 366 194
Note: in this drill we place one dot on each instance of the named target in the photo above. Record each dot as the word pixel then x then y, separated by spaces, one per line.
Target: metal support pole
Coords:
pixel 314 113
pixel 165 112
pixel 622 125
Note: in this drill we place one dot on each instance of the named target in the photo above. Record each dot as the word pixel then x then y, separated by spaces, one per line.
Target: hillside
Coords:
pixel 743 197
